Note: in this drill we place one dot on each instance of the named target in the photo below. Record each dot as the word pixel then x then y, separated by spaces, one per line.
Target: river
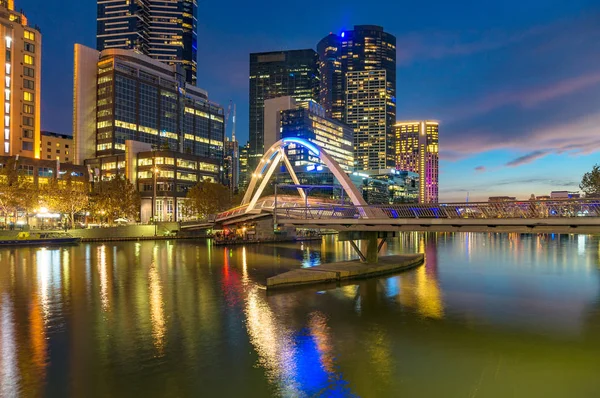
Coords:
pixel 490 315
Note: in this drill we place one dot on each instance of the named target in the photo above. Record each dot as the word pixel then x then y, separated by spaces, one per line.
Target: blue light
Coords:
pixel 343 34
pixel 310 167
pixel 320 168
pixel 306 144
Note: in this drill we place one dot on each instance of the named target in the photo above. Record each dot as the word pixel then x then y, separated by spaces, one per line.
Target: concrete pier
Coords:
pixel 346 270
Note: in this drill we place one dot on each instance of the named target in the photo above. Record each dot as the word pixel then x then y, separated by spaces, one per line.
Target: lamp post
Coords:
pixel 155 172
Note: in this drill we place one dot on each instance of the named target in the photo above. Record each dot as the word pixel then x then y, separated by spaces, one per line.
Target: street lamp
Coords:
pixel 155 172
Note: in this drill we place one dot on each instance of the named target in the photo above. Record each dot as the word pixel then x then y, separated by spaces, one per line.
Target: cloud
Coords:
pixel 528 158
pixel 523 97
pixel 480 169
pixel 441 44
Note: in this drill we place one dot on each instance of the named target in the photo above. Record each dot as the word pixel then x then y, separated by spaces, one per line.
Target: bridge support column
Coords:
pixel 373 245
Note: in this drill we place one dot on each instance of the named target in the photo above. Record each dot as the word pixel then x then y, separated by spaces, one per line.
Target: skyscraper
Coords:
pixel 21 56
pixel 346 62
pixel 417 151
pixel 276 74
pixel 164 30
pixel 366 114
pixel 331 89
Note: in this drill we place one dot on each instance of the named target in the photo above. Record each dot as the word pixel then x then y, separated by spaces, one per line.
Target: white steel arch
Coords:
pixel 276 153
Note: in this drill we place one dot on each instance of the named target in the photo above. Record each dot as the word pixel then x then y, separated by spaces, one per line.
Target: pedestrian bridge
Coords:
pixel 572 216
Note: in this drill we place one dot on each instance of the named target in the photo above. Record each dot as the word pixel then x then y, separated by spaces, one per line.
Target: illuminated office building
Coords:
pixel 164 30
pixel 129 108
pixel 244 169
pixel 364 57
pixel 276 74
pixel 231 165
pixel 21 57
pixel 417 151
pixel 311 123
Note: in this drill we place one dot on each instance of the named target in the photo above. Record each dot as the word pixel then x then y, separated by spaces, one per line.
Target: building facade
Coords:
pixel 417 150
pixel 165 30
pixel 162 177
pixel 331 84
pixel 140 99
pixel 366 115
pixel 272 118
pixel 56 146
pixel 143 109
pixel 245 171
pixel 311 123
pixel 276 74
pixel 353 63
pixel 388 186
pixel 231 165
pixel 21 56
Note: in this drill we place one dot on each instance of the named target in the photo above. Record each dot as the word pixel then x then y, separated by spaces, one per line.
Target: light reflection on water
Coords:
pixel 489 314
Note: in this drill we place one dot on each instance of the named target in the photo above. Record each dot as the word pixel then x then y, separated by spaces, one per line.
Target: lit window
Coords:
pixel 29 35
pixel 28 59
pixel 7 81
pixel 7 68
pixel 27 96
pixel 7 107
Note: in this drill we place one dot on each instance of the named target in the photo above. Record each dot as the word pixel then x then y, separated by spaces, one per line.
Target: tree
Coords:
pixel 207 198
pixel 17 191
pixel 590 183
pixel 116 198
pixel 67 196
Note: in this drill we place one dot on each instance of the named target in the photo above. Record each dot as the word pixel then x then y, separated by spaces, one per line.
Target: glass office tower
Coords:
pixel 276 74
pixel 164 30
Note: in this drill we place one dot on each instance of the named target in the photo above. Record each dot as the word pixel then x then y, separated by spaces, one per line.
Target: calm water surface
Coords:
pixel 489 315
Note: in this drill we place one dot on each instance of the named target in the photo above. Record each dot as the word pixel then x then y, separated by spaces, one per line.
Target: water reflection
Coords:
pixel 176 318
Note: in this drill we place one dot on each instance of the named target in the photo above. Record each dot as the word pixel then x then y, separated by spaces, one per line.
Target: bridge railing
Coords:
pixel 484 210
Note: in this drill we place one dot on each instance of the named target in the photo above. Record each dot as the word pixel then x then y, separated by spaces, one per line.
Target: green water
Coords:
pixel 488 315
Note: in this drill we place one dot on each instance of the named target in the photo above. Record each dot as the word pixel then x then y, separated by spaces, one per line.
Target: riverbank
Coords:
pixel 345 270
pixel 235 242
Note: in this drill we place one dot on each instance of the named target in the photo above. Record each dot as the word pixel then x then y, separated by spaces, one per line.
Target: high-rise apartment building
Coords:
pixel 354 58
pixel 292 73
pixel 366 114
pixel 21 56
pixel 165 30
pixel 417 151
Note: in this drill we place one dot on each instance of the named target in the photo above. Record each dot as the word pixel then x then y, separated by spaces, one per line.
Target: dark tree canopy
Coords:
pixel 207 198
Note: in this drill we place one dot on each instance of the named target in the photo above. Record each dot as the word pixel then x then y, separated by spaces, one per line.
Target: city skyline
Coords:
pixel 516 96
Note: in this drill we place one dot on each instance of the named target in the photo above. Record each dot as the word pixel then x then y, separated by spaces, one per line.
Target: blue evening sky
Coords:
pixel 514 83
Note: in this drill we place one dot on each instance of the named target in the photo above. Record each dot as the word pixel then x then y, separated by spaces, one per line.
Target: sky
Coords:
pixel 515 84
